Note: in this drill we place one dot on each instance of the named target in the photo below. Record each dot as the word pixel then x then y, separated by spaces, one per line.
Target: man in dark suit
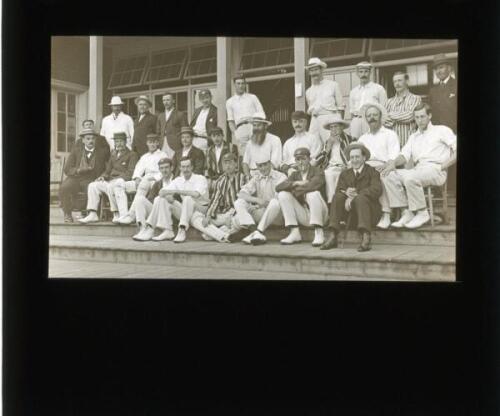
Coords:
pixel 189 150
pixel 100 141
pixel 85 163
pixel 301 201
pixel 215 154
pixel 358 190
pixel 144 124
pixel 204 119
pixel 168 126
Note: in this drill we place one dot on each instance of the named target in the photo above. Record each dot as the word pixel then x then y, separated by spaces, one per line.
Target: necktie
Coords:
pixel 356 174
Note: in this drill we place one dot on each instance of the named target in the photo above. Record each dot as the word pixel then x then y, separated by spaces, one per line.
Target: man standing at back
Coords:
pixel 204 119
pixel 168 126
pixel 117 121
pixel 144 124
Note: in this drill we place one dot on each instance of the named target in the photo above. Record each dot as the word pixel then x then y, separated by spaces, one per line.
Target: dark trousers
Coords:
pixel 362 207
pixel 68 192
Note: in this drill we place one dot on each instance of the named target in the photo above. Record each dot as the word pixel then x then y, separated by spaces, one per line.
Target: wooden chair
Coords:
pixel 437 194
pixel 56 176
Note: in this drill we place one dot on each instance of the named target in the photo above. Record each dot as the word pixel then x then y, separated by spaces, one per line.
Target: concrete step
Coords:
pixel 440 235
pixel 400 262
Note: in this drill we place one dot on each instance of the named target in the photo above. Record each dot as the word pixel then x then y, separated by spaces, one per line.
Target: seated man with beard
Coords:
pixel 261 145
pixel 257 201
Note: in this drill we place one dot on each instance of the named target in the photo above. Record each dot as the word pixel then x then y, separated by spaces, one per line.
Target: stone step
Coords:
pixel 400 262
pixel 440 235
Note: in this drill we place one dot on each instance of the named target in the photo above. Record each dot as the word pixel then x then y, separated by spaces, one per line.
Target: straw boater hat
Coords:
pixel 313 62
pixel 262 158
pixel 116 101
pixel 335 119
pixel 380 107
pixel 143 98
pixel 119 135
pixel 85 132
pixel 260 117
pixel 357 145
pixel 364 64
pixel 152 136
pixel 440 59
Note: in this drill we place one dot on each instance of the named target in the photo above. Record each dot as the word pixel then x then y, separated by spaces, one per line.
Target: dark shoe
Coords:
pixel 238 235
pixel 365 242
pixel 68 218
pixel 330 243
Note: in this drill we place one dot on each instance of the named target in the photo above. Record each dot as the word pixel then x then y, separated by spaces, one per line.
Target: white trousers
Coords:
pixel 405 187
pixel 184 210
pixel 384 199
pixel 358 127
pixel 140 191
pixel 115 189
pixel 212 230
pixel 243 134
pixel 160 214
pixel 316 126
pixel 315 213
pixel 248 214
pixel 140 209
pixel 332 174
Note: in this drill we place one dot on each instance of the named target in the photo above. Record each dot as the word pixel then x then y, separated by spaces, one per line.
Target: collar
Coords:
pixel 156 151
pixel 116 116
pixel 358 171
pixel 404 94
pixel 364 86
pixel 188 149
pixel 446 80
pixel 169 179
pixel 89 150
pixel 169 111
pixel 429 126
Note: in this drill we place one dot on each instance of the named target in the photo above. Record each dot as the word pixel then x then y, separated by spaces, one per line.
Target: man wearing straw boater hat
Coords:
pixel 117 121
pixel 323 97
pixel 357 198
pixel 262 144
pixel 144 124
pixel 366 91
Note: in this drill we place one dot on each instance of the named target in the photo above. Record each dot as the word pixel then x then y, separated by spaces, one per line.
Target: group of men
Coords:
pixel 233 189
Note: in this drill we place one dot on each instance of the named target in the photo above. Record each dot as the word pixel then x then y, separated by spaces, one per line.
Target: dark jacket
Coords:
pixel 214 169
pixel 122 167
pixel 171 128
pixel 443 100
pixel 323 158
pixel 315 178
pixel 155 189
pixel 197 160
pixel 100 141
pixel 141 129
pixel 72 165
pixel 211 118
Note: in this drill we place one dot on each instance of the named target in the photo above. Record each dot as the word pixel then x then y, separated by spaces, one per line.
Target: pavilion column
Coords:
pixel 95 80
pixel 223 79
pixel 301 55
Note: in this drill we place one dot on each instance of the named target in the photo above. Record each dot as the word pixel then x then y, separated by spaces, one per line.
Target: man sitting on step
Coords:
pixel 257 201
pixel 358 190
pixel 152 211
pixel 433 149
pixel 119 169
pixel 146 172
pixel 301 201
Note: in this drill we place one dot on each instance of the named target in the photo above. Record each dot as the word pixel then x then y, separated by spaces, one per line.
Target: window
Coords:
pixel 196 101
pixel 167 65
pixel 265 53
pixel 329 49
pixel 130 108
pixel 181 102
pixel 202 61
pixel 66 121
pixel 128 72
pixel 418 75
pixel 384 46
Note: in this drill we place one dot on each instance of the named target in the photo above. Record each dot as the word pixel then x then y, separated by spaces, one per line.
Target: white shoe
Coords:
pixel 145 235
pixel 293 237
pixel 165 235
pixel 92 217
pixel 418 220
pixel 319 237
pixel 181 236
pixel 248 238
pixel 141 230
pixel 258 238
pixel 385 221
pixel 116 218
pixel 125 220
pixel 405 218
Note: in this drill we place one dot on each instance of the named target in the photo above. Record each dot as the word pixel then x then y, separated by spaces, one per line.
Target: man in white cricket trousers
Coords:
pixel 117 121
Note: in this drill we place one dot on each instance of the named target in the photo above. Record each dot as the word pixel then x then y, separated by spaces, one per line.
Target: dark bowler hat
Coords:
pixel 216 130
pixel 119 135
pixel 84 132
pixel 357 145
pixel 439 59
pixel 299 115
pixel 302 151
pixel 152 136
pixel 230 156
pixel 187 130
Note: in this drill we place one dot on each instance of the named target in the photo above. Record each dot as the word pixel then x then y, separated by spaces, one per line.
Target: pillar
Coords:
pixel 223 79
pixel 95 80
pixel 301 55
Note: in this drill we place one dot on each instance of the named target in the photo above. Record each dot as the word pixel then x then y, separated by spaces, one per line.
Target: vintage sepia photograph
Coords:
pixel 259 158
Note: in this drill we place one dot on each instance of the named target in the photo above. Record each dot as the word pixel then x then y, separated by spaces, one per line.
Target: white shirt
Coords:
pixel 240 106
pixel 112 124
pixel 197 183
pixel 166 182
pixel 433 145
pixel 324 98
pixel 167 113
pixel 218 152
pixel 358 171
pixel 264 187
pixel 270 147
pixel 383 145
pixel 335 158
pixel 312 142
pixel 147 165
pixel 141 116
pixel 363 94
pixel 185 152
pixel 200 127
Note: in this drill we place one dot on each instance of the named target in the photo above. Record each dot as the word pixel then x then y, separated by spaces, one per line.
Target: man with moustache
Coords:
pixel 117 121
pixel 144 124
pixel 383 145
pixel 169 124
pixel 301 138
pixel 323 98
pixel 262 145
pixel 204 119
pixel 100 141
pixel 366 91
pixel 189 150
